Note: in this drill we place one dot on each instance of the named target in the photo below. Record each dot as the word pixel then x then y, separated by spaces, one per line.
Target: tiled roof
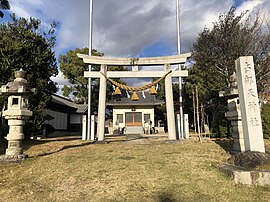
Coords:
pixel 78 108
pixel 81 108
pixel 145 99
pixel 63 101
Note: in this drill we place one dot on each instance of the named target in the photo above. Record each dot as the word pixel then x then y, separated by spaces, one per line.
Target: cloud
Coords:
pixel 197 15
pixel 249 5
pixel 265 7
pixel 61 81
pixel 20 11
pixel 122 27
pixel 140 29
pixel 125 28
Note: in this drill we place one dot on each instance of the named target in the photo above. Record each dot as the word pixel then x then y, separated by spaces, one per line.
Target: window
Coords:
pixel 15 101
pixel 137 117
pixel 146 118
pixel 119 118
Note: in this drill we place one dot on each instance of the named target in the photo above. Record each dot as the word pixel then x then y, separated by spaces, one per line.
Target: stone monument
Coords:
pixel 17 112
pixel 246 167
pixel 249 104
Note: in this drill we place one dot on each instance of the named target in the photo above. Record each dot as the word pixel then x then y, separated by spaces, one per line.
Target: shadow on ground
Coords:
pixel 166 197
pixel 226 144
pixel 64 148
pixel 28 143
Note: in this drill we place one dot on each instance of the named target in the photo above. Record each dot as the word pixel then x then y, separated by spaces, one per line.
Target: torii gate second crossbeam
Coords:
pixel 166 61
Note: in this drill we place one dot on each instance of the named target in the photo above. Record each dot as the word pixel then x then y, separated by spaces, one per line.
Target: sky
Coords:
pixel 128 28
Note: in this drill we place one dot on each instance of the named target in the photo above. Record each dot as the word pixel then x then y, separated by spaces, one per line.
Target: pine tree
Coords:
pixel 25 45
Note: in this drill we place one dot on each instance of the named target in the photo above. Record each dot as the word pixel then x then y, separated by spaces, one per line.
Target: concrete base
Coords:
pixel 244 176
pixel 12 159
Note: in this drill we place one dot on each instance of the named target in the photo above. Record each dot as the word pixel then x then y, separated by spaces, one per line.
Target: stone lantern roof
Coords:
pixel 18 86
pixel 231 91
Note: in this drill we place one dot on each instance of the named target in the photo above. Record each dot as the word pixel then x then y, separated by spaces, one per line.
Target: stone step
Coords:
pixel 134 130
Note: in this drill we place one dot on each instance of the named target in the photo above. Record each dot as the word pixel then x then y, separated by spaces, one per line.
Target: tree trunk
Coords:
pixel 194 111
pixel 198 115
pixel 202 119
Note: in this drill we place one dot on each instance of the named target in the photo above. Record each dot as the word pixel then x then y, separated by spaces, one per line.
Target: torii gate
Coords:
pixel 166 61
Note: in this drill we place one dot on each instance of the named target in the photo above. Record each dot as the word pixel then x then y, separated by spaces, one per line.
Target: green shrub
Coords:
pixel 266 120
pixel 220 126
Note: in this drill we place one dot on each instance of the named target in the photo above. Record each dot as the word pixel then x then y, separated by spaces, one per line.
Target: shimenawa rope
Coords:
pixel 130 88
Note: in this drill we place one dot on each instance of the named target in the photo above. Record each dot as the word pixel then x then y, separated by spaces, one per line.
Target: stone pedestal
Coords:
pixel 234 115
pixel 15 137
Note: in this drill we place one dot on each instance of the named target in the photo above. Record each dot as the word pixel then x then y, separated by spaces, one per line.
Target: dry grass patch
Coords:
pixel 74 170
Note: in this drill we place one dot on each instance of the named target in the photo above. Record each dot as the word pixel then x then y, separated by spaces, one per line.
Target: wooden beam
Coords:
pixel 139 74
pixel 97 60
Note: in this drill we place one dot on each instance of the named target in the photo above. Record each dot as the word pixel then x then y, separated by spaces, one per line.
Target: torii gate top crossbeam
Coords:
pixel 136 74
pixel 97 60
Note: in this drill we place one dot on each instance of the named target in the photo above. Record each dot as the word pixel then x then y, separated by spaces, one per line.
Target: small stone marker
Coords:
pixel 84 127
pixel 249 104
pixel 186 126
pixel 206 130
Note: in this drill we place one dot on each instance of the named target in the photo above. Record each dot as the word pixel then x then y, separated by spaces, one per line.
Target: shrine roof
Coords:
pixel 69 104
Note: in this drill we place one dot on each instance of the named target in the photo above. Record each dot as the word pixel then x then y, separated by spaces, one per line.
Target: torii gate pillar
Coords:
pixel 102 104
pixel 169 104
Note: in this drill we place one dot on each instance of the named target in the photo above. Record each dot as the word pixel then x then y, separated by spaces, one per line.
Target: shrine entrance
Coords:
pixel 133 119
pixel 167 74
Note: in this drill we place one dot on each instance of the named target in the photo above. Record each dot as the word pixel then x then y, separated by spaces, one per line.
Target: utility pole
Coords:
pixel 89 135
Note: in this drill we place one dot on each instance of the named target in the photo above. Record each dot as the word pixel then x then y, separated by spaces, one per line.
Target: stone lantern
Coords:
pixel 17 112
pixel 234 114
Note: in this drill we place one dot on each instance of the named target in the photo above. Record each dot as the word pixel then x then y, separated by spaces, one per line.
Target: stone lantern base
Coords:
pixel 12 159
pixel 14 152
pixel 15 137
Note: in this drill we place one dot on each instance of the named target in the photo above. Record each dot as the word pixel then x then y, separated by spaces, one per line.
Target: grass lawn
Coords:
pixel 73 170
